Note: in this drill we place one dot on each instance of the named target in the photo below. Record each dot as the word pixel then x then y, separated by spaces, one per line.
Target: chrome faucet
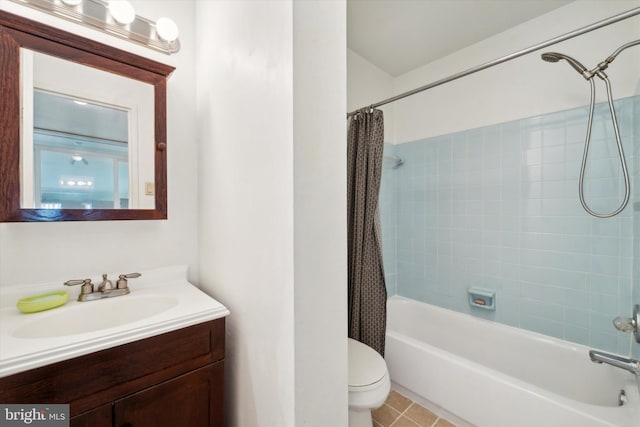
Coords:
pixel 630 365
pixel 105 289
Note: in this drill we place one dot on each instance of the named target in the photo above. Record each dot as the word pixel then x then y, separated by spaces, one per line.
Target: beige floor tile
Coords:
pixel 404 422
pixel 377 424
pixel 420 415
pixel 385 415
pixel 444 423
pixel 398 401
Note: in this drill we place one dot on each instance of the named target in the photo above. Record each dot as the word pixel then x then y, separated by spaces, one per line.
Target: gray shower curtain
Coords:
pixel 367 290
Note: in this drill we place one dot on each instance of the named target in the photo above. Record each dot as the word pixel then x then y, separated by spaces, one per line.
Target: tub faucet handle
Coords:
pixel 629 324
pixel 624 324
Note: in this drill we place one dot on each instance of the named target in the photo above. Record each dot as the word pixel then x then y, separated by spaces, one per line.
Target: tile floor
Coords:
pixel 400 411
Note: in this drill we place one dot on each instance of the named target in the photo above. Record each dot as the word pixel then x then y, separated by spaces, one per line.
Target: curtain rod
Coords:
pixel 558 39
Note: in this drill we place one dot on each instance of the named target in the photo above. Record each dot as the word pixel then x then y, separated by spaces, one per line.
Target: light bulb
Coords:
pixel 122 11
pixel 167 29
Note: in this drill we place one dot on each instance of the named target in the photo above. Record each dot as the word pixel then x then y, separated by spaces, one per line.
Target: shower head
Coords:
pixel 550 57
pixel 556 57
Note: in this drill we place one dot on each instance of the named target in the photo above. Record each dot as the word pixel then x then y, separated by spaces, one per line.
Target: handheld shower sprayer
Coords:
pixel 588 75
pixel 556 57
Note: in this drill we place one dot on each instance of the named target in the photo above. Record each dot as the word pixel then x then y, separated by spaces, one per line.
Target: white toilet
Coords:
pixel 369 383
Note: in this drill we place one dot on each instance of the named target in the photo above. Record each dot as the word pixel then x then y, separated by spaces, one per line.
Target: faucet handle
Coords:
pixel 87 286
pixel 122 280
pixel 624 324
pixel 629 324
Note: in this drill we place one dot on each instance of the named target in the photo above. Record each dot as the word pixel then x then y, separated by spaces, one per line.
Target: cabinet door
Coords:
pixel 194 399
pixel 99 417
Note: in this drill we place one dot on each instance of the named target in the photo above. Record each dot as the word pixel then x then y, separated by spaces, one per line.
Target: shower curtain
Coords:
pixel 367 291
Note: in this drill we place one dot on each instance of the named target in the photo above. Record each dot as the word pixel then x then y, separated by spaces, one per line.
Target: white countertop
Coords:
pixel 189 306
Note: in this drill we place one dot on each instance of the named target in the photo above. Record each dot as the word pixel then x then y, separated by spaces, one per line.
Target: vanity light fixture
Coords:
pixel 114 17
pixel 122 11
pixel 166 29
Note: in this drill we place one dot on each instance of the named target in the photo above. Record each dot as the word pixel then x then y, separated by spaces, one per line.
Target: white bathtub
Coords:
pixel 493 375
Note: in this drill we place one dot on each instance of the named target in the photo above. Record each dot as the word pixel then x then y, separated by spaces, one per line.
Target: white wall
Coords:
pixel 43 252
pixel 523 87
pixel 245 114
pixel 266 251
pixel 319 71
pixel 368 84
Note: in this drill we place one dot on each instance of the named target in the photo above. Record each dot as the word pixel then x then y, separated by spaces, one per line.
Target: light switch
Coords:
pixel 148 188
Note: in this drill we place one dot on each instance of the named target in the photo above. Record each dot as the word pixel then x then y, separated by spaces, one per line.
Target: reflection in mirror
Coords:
pixel 80 154
pixel 82 136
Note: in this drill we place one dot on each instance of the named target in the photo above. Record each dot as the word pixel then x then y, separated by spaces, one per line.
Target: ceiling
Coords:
pixel 401 35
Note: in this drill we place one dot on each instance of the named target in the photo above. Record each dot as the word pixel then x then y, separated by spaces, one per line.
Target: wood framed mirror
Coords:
pixel 82 128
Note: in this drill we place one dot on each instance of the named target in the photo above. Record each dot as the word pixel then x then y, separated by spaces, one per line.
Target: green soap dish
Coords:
pixel 43 302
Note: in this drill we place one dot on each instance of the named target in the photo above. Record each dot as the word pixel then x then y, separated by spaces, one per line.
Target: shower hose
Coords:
pixel 585 154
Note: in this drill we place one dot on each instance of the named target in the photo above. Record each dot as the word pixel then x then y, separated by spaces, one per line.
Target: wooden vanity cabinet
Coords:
pixel 99 417
pixel 173 379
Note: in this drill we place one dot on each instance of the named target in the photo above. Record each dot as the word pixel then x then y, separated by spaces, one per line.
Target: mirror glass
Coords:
pixel 87 137
pixel 75 168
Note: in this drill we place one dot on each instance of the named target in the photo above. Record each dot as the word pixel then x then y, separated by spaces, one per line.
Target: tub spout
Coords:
pixel 630 365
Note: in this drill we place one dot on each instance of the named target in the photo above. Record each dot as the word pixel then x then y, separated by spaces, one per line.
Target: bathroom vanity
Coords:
pixel 164 367
pixel 173 379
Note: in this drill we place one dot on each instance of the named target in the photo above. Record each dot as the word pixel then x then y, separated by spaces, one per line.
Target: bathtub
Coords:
pixel 493 375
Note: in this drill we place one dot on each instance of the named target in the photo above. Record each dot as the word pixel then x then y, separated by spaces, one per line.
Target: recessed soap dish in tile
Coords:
pixel 482 298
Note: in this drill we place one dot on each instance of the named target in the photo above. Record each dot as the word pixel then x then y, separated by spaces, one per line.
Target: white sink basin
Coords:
pixel 162 300
pixel 93 316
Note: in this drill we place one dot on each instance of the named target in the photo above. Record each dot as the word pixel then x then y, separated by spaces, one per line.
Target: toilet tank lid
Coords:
pixel 366 366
